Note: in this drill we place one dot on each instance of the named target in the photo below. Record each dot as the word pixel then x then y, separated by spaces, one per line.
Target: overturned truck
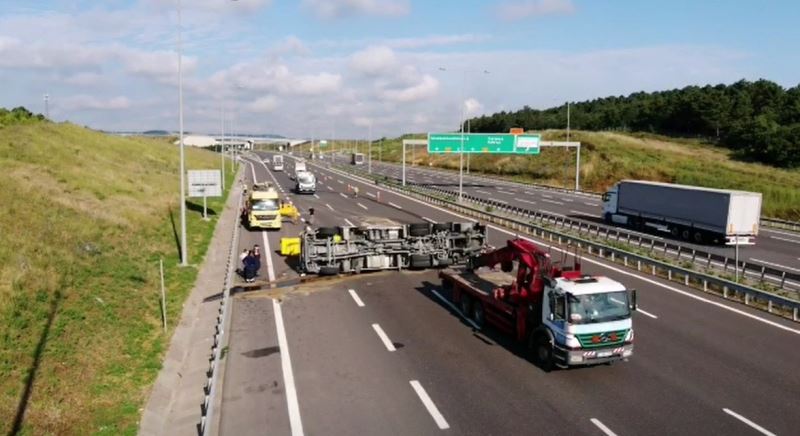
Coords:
pixel 382 244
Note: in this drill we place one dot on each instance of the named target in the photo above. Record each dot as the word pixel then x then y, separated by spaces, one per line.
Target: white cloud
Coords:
pixel 88 102
pixel 522 9
pixel 264 104
pixel 342 8
pixel 426 88
pixel 375 60
pixel 434 41
pixel 86 79
pixel 472 107
pixel 291 45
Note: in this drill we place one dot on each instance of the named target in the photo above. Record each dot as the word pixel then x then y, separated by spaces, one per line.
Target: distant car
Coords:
pixel 266 160
pixel 306 183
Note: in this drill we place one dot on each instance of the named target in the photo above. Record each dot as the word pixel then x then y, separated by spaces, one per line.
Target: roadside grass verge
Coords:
pixel 86 218
pixel 607 157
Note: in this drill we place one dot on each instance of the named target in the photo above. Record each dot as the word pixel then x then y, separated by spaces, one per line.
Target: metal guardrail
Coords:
pixel 777 304
pixel 210 388
pixel 781 278
pixel 781 224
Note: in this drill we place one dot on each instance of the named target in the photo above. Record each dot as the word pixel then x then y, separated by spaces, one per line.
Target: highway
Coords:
pixel 774 248
pixel 386 354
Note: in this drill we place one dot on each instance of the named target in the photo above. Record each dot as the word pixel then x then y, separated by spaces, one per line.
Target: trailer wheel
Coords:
pixel 698 237
pixel 441 227
pixel 329 270
pixel 686 234
pixel 674 231
pixel 420 261
pixel 544 352
pixel 477 313
pixel 326 232
pixel 419 229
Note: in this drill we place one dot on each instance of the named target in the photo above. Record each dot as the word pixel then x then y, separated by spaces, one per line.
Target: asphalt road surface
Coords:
pixel 385 354
pixel 774 247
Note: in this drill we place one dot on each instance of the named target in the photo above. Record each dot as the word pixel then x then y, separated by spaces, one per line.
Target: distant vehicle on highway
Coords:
pixel 277 163
pixel 357 158
pixel 305 183
pixel 299 167
pixel 689 212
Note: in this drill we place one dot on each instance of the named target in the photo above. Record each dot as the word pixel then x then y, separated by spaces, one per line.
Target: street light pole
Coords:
pixel 369 149
pixel 222 143
pixel 184 251
pixel 47 106
pixel 461 150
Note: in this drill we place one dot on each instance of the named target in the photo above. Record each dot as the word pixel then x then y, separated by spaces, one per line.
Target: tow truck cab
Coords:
pixel 587 320
pixel 263 208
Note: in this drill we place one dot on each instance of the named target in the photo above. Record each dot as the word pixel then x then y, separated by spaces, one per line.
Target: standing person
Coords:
pixel 311 216
pixel 251 265
pixel 243 256
pixel 257 251
pixel 355 191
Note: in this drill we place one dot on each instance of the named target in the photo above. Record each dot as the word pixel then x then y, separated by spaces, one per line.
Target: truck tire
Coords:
pixel 419 229
pixel 328 270
pixel 326 232
pixel 543 352
pixel 477 313
pixel 441 227
pixel 686 234
pixel 698 237
pixel 420 261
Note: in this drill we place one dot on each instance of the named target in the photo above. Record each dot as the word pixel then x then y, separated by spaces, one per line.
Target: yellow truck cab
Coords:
pixel 263 207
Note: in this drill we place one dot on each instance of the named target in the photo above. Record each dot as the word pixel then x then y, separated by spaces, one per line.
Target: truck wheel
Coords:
pixel 674 231
pixel 477 313
pixel 326 232
pixel 698 237
pixel 419 229
pixel 328 270
pixel 686 234
pixel 544 353
pixel 466 305
pixel 420 261
pixel 441 227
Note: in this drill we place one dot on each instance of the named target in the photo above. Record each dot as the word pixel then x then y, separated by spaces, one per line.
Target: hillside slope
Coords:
pixel 607 157
pixel 85 219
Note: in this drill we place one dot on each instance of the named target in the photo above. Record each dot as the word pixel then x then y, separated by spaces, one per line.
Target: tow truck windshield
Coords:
pixel 594 308
pixel 264 206
pixel 305 178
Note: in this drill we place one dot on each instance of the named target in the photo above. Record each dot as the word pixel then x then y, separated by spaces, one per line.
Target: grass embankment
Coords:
pixel 608 157
pixel 85 219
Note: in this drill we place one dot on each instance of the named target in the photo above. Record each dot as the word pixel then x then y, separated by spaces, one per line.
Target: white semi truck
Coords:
pixel 693 213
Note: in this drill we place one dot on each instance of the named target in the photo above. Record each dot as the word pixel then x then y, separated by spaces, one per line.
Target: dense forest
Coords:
pixel 759 120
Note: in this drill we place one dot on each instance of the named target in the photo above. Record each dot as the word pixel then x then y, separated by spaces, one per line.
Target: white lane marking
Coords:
pixel 341 182
pixel 356 298
pixel 504 192
pixel 602 427
pixel 362 206
pixel 428 219
pixel 606 266
pixel 569 200
pixel 795 234
pixel 371 194
pixel 343 195
pixel 385 339
pixel 349 223
pixel 590 204
pixel 643 312
pixel 500 201
pixel 552 213
pixel 552 201
pixel 547 196
pixel 432 409
pixel 455 309
pixel 329 206
pixel 524 201
pixel 578 212
pixel 316 196
pixel 394 205
pixel 329 188
pixel 295 422
pixel 752 424
pixel 483 192
pixel 774 264
pixel 794 241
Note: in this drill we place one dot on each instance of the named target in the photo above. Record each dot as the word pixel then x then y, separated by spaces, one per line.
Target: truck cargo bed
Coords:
pixel 483 280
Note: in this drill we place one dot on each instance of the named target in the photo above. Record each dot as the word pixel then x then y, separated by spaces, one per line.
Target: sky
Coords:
pixel 359 68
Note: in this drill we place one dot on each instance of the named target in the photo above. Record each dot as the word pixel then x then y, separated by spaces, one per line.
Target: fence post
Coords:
pixel 163 295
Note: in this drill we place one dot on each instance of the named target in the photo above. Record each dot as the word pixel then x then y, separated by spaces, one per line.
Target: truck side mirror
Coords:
pixel 633 305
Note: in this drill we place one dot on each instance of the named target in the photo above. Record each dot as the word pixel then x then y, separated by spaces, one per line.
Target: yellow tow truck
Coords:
pixel 263 210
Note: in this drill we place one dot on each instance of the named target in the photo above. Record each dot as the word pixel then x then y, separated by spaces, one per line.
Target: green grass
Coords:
pixel 607 157
pixel 86 218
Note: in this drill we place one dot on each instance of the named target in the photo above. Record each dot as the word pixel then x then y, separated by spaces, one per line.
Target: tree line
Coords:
pixel 758 120
pixel 18 115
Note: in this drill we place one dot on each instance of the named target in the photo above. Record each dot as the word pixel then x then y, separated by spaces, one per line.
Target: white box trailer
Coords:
pixel 690 212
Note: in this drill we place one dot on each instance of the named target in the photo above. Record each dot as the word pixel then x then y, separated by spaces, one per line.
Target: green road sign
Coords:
pixel 500 143
pixel 323 143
